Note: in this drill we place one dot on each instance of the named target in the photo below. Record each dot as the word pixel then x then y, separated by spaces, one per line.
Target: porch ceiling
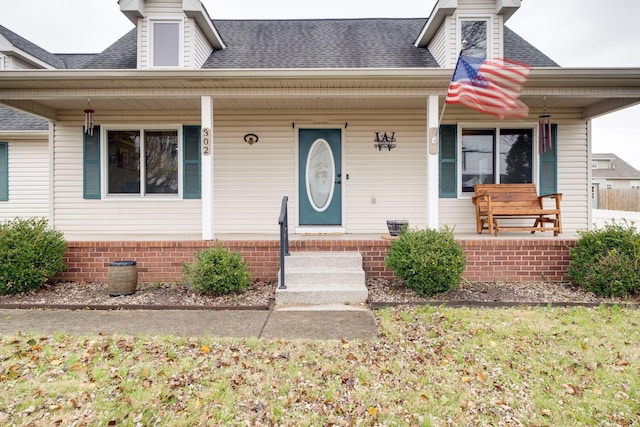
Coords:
pixel 45 92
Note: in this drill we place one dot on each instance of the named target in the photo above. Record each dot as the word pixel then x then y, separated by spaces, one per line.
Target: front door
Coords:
pixel 320 177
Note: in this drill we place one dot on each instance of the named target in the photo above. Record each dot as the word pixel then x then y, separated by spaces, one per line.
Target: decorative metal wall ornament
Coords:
pixel 545 138
pixel 251 138
pixel 88 118
pixel 385 141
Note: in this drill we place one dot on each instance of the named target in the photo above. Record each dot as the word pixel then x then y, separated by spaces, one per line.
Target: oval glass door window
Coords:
pixel 320 175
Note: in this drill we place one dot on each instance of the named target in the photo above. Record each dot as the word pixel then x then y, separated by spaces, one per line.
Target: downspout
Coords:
pixel 589 178
pixel 51 150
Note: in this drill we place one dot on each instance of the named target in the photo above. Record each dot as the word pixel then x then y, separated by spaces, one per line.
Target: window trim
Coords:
pixel 474 17
pixel 151 37
pixel 535 167
pixel 104 162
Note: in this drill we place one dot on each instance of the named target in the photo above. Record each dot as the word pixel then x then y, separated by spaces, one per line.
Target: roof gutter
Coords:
pixel 303 73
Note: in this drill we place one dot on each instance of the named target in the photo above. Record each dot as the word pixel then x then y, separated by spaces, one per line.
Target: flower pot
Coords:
pixel 123 278
pixel 396 226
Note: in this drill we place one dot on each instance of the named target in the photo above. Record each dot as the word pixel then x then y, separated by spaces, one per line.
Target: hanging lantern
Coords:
pixel 88 119
pixel 545 140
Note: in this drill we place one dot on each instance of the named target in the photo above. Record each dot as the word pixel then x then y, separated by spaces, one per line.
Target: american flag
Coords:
pixel 490 86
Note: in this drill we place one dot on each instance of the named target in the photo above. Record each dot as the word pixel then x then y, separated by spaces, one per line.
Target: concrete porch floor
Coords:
pixel 383 236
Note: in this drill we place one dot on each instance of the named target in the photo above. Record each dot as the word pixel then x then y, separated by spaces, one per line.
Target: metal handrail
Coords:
pixel 283 220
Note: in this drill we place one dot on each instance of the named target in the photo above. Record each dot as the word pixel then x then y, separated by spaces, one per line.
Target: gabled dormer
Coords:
pixel 479 22
pixel 175 34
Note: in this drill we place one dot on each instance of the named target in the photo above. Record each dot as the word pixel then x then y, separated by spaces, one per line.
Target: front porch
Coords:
pixel 510 257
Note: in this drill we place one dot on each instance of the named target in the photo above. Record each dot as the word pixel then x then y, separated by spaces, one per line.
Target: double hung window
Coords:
pixel 474 37
pixel 143 162
pixel 496 155
pixel 166 44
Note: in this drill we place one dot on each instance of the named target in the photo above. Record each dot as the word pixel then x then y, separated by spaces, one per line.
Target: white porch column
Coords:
pixel 206 151
pixel 433 177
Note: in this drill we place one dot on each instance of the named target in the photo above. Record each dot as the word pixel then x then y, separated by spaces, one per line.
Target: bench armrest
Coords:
pixel 484 197
pixel 556 196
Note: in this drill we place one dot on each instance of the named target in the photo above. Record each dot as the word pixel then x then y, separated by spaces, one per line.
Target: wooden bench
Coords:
pixel 497 202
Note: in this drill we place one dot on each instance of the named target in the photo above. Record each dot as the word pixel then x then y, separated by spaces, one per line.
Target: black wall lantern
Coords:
pixel 251 138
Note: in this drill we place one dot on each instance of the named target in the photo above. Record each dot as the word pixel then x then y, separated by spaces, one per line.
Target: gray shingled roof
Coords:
pixel 120 55
pixel 31 48
pixel 518 49
pixel 317 43
pixel 620 170
pixel 326 43
pixel 75 60
pixel 13 120
pixel 313 43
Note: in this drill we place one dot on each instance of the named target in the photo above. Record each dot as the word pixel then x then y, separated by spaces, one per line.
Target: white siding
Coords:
pixel 250 181
pixel 572 175
pixel 143 43
pixel 188 43
pixel 158 9
pixel 162 7
pixel 28 180
pixel 438 45
pixel 201 48
pixel 15 63
pixel 115 218
pixel 471 8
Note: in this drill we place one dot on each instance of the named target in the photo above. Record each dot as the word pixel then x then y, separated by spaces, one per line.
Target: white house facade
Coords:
pixel 202 126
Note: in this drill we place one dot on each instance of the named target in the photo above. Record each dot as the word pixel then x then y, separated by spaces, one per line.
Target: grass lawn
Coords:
pixel 431 366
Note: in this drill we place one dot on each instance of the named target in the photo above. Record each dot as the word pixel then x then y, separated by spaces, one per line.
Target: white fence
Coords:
pixel 601 217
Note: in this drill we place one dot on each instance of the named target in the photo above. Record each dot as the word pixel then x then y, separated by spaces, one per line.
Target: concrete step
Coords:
pixel 323 259
pixel 323 278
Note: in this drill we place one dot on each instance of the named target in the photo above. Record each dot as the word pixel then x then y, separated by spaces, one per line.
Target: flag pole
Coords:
pixel 444 106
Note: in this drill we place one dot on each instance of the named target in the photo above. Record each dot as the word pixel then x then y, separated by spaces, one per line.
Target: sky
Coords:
pixel 574 33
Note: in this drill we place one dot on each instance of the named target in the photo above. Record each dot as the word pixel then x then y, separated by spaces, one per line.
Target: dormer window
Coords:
pixel 166 43
pixel 474 35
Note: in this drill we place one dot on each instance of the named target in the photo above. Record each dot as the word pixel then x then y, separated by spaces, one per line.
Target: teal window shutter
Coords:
pixel 191 162
pixel 448 161
pixel 91 164
pixel 549 165
pixel 4 171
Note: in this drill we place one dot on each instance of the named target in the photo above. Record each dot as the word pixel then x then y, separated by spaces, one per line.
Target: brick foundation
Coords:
pixel 487 259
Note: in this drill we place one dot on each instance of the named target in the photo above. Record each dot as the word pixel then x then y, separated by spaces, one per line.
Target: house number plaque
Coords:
pixel 205 141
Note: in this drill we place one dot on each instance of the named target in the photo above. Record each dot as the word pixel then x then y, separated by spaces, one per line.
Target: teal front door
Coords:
pixel 320 177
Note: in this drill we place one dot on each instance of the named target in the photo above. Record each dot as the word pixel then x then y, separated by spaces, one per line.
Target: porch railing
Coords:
pixel 283 220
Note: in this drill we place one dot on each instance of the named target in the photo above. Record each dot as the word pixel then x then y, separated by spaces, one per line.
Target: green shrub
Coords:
pixel 428 261
pixel 606 261
pixel 30 254
pixel 217 271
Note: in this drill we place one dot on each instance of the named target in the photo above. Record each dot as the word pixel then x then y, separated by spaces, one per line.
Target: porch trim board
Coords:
pixel 518 260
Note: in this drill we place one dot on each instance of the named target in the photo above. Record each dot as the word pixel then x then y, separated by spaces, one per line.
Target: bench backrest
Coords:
pixel 511 195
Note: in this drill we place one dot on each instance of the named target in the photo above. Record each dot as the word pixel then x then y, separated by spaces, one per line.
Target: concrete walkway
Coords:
pixel 329 324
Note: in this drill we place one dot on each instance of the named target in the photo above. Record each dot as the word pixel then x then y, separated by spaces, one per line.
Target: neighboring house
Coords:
pixel 202 126
pixel 610 172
